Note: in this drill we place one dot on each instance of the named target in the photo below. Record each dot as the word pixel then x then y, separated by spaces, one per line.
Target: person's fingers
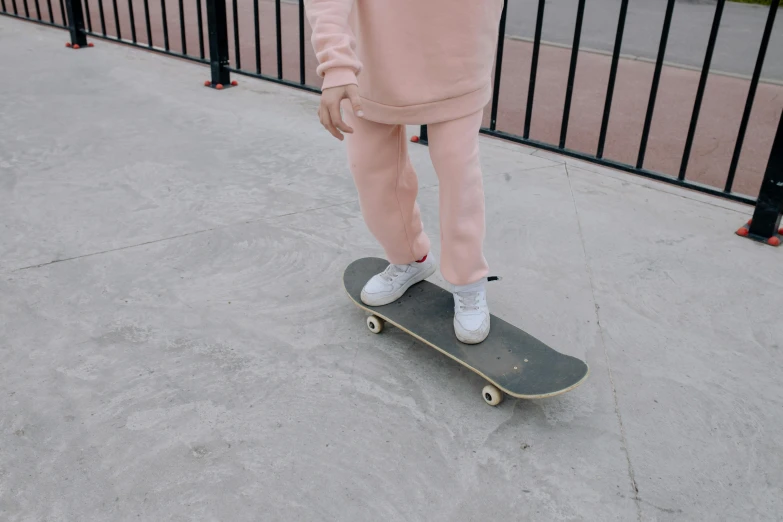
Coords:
pixel 337 118
pixel 334 132
pixel 323 116
pixel 326 121
pixel 356 102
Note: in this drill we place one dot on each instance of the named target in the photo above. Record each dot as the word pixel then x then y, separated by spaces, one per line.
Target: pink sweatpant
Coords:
pixel 387 185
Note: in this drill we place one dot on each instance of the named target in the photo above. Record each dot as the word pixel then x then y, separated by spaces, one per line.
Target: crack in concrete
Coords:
pixel 179 236
pixel 488 177
pixel 118 249
pixel 623 437
pixel 639 180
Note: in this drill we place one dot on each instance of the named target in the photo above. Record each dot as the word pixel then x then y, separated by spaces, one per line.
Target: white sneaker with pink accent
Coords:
pixel 392 283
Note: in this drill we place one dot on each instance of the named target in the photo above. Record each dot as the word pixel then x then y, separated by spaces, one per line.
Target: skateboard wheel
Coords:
pixel 492 395
pixel 375 324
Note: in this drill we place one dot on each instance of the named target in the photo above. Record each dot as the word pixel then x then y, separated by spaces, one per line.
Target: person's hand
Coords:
pixel 329 110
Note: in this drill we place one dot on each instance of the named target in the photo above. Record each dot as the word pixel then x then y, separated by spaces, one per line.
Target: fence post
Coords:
pixel 423 138
pixel 769 208
pixel 76 23
pixel 217 24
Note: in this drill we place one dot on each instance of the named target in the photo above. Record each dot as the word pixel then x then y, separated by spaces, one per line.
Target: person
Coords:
pixel 390 63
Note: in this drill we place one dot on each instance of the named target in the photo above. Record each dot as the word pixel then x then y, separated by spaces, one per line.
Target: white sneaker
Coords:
pixel 392 283
pixel 471 313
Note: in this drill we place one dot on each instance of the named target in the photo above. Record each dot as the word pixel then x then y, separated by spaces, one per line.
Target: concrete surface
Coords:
pixel 175 344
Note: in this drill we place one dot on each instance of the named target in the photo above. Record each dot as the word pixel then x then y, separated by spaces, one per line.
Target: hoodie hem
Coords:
pixel 428 113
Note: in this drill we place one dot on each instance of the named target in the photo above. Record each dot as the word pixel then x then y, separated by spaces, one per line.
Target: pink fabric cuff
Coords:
pixel 338 76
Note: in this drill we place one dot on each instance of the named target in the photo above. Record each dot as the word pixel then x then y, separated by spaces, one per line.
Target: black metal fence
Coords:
pixel 49 16
pixel 638 167
pixel 78 16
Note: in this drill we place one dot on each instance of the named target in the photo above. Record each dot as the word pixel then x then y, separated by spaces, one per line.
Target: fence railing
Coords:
pixel 184 37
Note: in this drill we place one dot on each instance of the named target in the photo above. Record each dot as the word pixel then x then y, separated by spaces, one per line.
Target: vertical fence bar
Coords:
pixel 132 21
pixel 26 9
pixel 38 9
pixel 217 25
pixel 16 11
pixel 493 120
pixel 236 34
pixel 48 5
pixel 278 24
pixel 257 33
pixel 618 44
pixel 116 20
pixel 165 23
pixel 75 22
pixel 754 82
pixel 2 6
pixel 423 137
pixel 102 16
pixel 301 43
pixel 580 13
pixel 62 12
pixel 705 72
pixel 667 23
pixel 766 217
pixel 147 19
pixel 183 38
pixel 531 90
pixel 200 21
pixel 86 12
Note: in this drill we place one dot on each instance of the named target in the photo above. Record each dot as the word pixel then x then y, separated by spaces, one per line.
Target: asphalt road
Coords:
pixel 736 48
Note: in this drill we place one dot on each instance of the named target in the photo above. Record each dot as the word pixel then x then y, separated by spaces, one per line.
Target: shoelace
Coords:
pixel 390 273
pixel 468 301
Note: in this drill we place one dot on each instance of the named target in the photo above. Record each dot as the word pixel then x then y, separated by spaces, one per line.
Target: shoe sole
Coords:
pixel 399 293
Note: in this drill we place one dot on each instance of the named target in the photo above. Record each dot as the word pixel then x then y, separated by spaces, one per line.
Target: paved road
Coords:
pixel 736 48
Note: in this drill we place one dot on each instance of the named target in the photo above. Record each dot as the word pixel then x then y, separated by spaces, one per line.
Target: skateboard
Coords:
pixel 513 362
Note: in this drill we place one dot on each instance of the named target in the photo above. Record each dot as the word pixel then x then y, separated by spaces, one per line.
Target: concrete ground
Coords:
pixel 175 343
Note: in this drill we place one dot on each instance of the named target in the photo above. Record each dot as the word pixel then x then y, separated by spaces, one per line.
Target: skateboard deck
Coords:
pixel 514 362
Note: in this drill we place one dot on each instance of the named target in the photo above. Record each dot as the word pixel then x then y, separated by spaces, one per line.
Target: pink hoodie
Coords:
pixel 417 61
